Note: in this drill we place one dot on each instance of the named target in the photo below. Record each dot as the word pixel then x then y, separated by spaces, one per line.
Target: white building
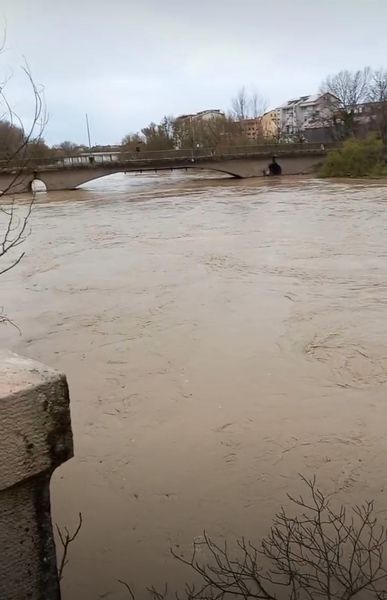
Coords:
pixel 203 115
pixel 306 112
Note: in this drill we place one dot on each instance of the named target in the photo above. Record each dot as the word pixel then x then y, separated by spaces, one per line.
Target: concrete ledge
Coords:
pixel 35 437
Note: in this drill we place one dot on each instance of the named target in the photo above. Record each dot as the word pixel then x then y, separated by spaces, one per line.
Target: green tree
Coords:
pixel 357 158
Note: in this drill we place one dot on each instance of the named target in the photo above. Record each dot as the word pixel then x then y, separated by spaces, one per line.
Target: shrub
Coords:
pixel 357 158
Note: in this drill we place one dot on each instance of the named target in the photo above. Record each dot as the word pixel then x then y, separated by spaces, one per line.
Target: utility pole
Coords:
pixel 88 130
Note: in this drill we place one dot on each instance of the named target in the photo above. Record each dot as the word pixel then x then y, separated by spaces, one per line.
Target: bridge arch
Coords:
pixel 185 168
pixel 193 166
pixel 72 179
pixel 38 185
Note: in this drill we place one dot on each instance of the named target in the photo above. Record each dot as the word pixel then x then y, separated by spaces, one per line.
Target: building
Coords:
pixel 361 120
pixel 203 115
pixel 271 124
pixel 371 117
pixel 289 122
pixel 301 114
pixel 251 128
pixel 201 129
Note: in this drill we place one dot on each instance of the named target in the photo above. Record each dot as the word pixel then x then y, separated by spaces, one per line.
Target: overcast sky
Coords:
pixel 128 62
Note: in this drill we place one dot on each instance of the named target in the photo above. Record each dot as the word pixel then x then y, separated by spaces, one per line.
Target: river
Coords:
pixel 219 336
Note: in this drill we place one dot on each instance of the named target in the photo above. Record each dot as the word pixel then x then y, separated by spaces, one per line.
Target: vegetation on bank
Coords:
pixel 357 158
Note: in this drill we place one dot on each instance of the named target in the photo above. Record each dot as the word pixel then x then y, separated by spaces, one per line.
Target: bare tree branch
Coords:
pixel 247 105
pixel 17 140
pixel 127 586
pixel 66 539
pixel 258 105
pixel 6 320
pixel 320 552
pixel 240 104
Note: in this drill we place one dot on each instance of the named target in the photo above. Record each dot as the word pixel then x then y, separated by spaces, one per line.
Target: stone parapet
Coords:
pixel 35 438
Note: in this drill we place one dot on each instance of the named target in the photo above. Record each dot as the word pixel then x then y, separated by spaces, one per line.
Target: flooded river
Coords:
pixel 219 337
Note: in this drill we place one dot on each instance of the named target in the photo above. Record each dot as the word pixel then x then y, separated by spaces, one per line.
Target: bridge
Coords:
pixel 69 172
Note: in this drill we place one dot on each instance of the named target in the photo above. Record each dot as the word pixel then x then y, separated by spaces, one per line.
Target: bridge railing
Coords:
pixel 103 158
pixel 209 152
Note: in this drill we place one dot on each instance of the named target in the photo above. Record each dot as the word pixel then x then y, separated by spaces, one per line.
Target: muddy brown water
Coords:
pixel 219 337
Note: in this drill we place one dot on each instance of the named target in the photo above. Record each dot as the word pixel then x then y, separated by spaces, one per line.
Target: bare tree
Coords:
pixel 350 89
pixel 240 104
pixel 17 159
pixel 320 552
pixel 15 233
pixel 15 166
pixel 158 137
pixel 10 138
pixel 378 86
pixel 247 105
pixel 378 96
pixel 67 147
pixel 131 141
pixel 258 105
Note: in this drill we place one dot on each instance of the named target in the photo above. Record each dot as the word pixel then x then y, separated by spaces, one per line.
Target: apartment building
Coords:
pixel 306 112
pixel 251 128
pixel 271 124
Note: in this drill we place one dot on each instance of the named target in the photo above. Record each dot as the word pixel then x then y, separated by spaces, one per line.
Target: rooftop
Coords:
pixel 201 113
pixel 304 100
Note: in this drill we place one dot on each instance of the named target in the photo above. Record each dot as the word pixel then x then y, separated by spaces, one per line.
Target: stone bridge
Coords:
pixel 67 173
